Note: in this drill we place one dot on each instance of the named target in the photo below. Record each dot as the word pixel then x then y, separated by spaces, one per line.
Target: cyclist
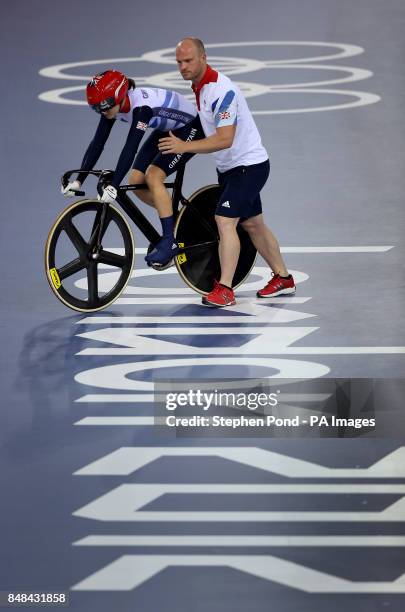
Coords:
pixel 243 168
pixel 115 97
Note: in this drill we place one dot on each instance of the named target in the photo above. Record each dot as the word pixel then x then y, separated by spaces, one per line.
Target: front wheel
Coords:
pixel 196 230
pixel 85 273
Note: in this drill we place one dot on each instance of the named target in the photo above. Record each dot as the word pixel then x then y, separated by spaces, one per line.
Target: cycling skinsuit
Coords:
pixel 146 108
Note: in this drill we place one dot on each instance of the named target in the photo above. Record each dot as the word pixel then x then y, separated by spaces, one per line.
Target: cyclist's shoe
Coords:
pixel 277 285
pixel 158 266
pixel 220 296
pixel 163 253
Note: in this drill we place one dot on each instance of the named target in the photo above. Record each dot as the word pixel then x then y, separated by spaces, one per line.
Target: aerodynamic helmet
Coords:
pixel 106 89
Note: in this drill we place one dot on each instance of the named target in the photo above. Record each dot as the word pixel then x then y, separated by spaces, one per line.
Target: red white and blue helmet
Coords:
pixel 106 89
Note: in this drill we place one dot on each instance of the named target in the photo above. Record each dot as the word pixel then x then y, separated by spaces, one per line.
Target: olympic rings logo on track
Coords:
pixel 234 66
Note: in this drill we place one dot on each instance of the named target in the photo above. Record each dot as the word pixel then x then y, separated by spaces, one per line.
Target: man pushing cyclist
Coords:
pixel 228 131
pixel 243 167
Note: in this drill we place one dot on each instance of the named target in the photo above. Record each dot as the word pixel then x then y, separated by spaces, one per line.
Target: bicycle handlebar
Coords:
pixel 100 173
pixel 65 178
pixel 68 174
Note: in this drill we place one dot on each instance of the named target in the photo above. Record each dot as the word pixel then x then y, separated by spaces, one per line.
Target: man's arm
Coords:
pixel 222 139
pixel 224 111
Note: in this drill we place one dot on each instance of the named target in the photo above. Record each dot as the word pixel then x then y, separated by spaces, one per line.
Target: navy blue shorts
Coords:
pixel 149 153
pixel 240 190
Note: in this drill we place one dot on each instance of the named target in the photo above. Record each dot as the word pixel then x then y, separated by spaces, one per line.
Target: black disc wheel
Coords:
pixel 86 268
pixel 196 231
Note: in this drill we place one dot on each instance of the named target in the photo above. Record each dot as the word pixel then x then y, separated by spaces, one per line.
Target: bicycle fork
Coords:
pixel 98 231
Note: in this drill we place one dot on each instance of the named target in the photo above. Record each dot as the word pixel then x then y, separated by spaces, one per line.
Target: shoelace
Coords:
pixel 220 290
pixel 273 278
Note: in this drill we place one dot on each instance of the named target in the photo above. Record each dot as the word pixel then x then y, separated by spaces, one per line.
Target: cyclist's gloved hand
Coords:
pixel 70 189
pixel 109 194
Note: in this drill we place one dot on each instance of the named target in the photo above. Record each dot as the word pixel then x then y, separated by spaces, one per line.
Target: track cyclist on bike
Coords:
pixel 116 97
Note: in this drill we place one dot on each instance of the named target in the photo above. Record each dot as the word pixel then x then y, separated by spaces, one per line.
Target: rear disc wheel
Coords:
pixel 199 266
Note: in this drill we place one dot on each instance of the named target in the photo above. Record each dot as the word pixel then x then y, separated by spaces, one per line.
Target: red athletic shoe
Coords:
pixel 220 296
pixel 277 286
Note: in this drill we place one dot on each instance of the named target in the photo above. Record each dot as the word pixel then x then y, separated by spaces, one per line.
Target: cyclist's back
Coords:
pixel 170 110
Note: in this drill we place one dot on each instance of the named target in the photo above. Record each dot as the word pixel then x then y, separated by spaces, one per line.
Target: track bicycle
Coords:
pixel 89 253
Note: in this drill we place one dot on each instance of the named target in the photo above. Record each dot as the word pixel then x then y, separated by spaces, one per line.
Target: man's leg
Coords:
pixel 266 243
pixel 136 177
pixel 282 283
pixel 229 248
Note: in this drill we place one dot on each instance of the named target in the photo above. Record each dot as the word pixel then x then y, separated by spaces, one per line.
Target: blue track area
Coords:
pixel 97 500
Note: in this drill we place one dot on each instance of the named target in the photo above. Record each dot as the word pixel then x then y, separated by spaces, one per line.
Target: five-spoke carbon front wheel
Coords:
pixel 88 269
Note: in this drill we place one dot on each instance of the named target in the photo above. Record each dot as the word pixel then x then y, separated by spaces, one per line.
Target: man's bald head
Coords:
pixel 191 59
pixel 194 42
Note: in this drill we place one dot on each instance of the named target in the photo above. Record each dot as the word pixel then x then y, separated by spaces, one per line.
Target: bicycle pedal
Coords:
pixel 160 267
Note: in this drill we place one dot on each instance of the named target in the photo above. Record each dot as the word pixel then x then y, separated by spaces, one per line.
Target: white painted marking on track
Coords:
pixel 149 492
pixel 165 56
pixel 137 341
pixel 125 504
pixel 336 249
pixel 339 541
pixel 304 249
pixel 128 460
pixel 127 320
pixel 361 99
pixel 150 397
pixel 116 398
pixel 123 421
pixel 130 571
pixel 115 335
pixel 108 279
pixel 117 376
pixel 233 66
pixel 276 350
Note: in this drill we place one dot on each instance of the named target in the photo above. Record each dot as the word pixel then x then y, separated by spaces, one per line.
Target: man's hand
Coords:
pixel 70 189
pixel 109 195
pixel 172 144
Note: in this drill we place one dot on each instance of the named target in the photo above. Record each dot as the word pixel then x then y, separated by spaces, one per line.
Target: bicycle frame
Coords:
pixel 132 210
